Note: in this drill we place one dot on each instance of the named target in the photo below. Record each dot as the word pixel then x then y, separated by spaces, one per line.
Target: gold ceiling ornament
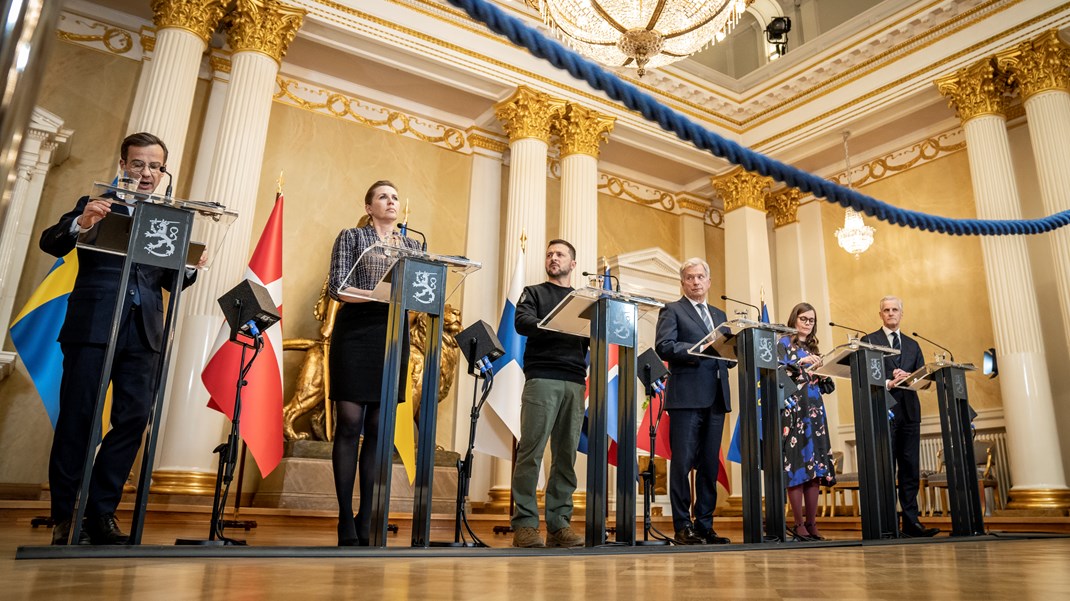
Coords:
pixel 640 33
pixel 265 26
pixel 741 188
pixel 199 17
pixel 1039 65
pixel 582 130
pixel 977 90
pixel 528 113
pixel 855 236
pixel 784 206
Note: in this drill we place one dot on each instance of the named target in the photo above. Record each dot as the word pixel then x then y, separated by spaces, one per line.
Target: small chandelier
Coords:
pixel 855 236
pixel 640 33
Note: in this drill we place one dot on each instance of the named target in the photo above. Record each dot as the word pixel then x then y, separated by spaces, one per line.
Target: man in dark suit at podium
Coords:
pixel 906 423
pixel 697 399
pixel 84 338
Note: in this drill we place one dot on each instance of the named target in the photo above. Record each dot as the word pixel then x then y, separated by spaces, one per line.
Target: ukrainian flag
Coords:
pixel 35 330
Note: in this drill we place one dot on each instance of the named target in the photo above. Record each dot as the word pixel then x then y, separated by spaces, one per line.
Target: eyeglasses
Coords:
pixel 809 320
pixel 139 166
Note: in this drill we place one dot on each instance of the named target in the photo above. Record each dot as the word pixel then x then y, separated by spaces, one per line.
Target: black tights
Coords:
pixel 810 490
pixel 352 419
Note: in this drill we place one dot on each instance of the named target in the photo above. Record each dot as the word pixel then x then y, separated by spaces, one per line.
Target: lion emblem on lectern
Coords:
pixel 164 233
pixel 425 283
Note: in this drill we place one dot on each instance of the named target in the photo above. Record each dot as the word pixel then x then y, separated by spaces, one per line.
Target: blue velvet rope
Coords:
pixel 633 98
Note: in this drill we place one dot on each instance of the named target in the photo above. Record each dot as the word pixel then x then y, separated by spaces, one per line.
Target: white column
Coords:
pixel 213 117
pixel 579 210
pixel 526 206
pixel 259 39
pixel 480 298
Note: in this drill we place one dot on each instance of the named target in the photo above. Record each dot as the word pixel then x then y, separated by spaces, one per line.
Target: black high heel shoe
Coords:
pixel 795 536
pixel 347 537
pixel 814 537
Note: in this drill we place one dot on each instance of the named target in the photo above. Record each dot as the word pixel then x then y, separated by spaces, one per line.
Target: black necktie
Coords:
pixel 895 341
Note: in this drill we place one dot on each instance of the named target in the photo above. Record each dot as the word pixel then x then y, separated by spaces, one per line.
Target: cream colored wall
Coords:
pixel 627 227
pixel 716 258
pixel 92 92
pixel 328 164
pixel 940 278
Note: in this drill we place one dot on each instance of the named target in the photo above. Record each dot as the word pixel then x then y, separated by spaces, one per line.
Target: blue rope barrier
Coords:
pixel 635 99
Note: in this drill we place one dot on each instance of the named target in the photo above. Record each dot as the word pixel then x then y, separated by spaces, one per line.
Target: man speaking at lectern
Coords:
pixel 697 398
pixel 84 339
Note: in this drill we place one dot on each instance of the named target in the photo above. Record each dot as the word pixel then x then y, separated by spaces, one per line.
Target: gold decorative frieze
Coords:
pixel 339 105
pixel 97 35
pixel 977 90
pixel 528 113
pixel 219 63
pixel 1039 65
pixel 265 26
pixel 677 204
pixel 148 40
pixel 784 206
pixel 199 17
pixel 930 149
pixel 741 188
pixel 582 130
pixel 478 141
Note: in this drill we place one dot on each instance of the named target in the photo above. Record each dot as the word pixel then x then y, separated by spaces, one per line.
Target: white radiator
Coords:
pixel 932 443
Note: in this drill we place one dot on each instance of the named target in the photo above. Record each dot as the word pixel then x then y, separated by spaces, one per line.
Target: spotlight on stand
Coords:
pixel 989 365
pixel 776 33
pixel 248 309
pixel 650 368
pixel 652 373
pixel 479 343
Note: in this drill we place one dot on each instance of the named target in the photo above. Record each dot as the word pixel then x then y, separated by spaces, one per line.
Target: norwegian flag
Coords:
pixel 261 410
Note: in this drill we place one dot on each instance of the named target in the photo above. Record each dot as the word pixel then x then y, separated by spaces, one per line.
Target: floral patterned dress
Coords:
pixel 807 451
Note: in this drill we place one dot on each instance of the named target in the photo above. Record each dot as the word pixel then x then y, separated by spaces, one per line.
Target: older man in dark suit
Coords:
pixel 84 338
pixel 697 399
pixel 906 423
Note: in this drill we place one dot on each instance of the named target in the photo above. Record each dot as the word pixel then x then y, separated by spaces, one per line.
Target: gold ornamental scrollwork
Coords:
pixel 978 90
pixel 582 130
pixel 784 206
pixel 199 17
pixel 117 41
pixel 1039 65
pixel 528 114
pixel 619 188
pixel 264 26
pixel 741 188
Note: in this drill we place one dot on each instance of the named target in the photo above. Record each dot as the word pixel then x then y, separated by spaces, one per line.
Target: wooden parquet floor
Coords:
pixel 989 569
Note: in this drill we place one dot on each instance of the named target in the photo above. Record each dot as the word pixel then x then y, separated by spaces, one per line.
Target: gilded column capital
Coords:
pixel 784 206
pixel 741 188
pixel 977 90
pixel 528 114
pixel 1039 65
pixel 582 130
pixel 264 26
pixel 199 17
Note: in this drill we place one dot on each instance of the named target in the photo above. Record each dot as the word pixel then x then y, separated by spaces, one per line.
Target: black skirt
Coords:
pixel 358 351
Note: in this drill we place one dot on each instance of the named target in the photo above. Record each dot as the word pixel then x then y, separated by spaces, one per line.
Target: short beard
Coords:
pixel 564 271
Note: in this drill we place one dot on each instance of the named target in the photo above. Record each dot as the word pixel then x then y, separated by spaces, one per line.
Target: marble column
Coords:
pixel 526 117
pixel 978 94
pixel 213 116
pixel 259 32
pixel 166 98
pixel 1041 70
pixel 480 298
pixel 801 275
pixel 581 131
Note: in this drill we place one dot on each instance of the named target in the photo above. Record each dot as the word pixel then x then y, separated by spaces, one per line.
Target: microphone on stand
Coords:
pixel 603 275
pixel 755 307
pixel 848 328
pixel 949 353
pixel 170 182
pixel 405 229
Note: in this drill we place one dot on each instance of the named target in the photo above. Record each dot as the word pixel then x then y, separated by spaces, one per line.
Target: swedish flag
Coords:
pixel 35 330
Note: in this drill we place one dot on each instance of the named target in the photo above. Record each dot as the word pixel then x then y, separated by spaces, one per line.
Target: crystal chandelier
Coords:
pixel 640 33
pixel 855 236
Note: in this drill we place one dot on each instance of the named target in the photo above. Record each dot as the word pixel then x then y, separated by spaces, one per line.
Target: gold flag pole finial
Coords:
pixel 405 221
pixel 523 241
pixel 278 184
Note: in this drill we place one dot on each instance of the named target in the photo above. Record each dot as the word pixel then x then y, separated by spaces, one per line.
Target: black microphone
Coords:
pixel 405 229
pixel 755 307
pixel 849 328
pixel 949 353
pixel 603 275
pixel 170 181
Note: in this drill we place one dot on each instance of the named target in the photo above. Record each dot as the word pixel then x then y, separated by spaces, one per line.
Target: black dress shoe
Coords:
pixel 710 537
pixel 104 530
pixel 687 536
pixel 916 530
pixel 61 532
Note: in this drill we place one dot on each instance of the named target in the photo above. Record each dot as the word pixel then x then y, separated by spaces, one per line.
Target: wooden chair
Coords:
pixel 936 484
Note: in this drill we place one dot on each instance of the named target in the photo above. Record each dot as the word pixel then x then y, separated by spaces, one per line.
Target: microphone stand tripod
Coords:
pixel 228 451
pixel 651 535
pixel 464 466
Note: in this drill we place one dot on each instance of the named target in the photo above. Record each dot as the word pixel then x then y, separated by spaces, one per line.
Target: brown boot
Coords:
pixel 564 537
pixel 527 538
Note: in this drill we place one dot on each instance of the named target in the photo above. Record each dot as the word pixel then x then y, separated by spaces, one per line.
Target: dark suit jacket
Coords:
pixel 92 300
pixel 693 380
pixel 910 359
